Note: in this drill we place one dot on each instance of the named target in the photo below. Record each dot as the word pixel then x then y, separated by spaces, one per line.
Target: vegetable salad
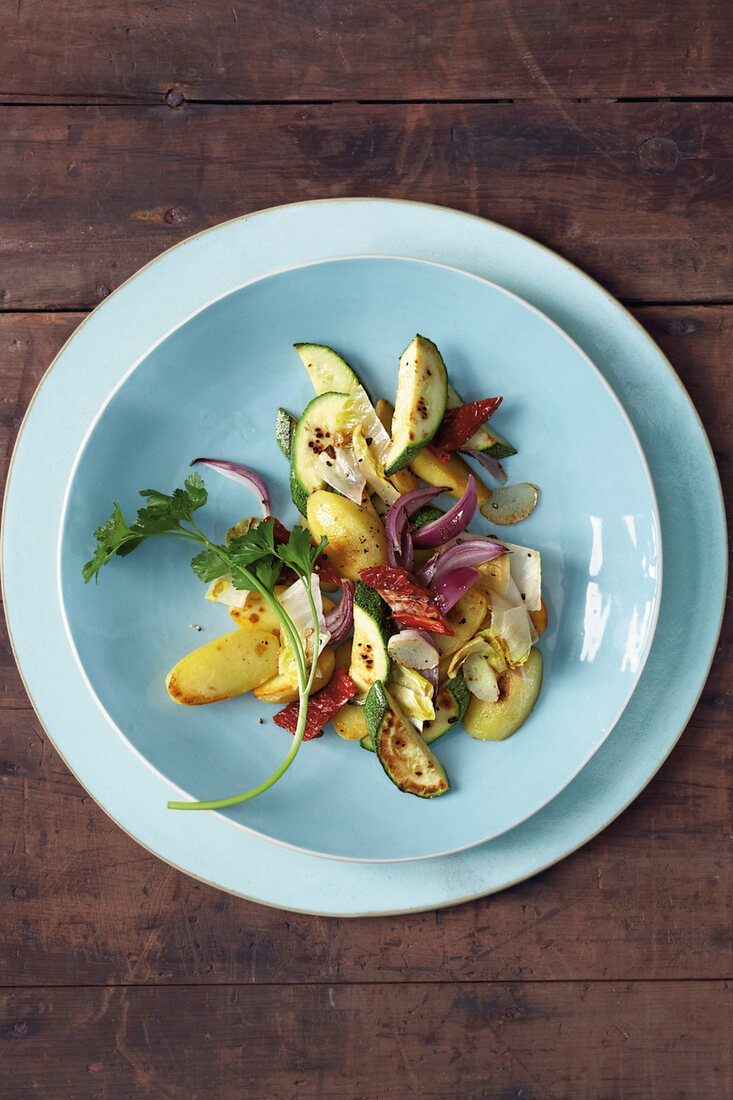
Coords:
pixel 435 626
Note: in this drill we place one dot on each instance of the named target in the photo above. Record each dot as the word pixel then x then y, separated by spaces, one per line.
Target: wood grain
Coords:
pixel 125 128
pixel 475 1040
pixel 316 50
pixel 637 194
pixel 81 902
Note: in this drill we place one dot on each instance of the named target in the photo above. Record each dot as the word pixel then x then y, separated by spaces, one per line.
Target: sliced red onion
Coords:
pixel 405 557
pixel 467 552
pixel 432 675
pixel 455 520
pixel 407 505
pixel 340 619
pixel 449 587
pixel 394 557
pixel 489 463
pixel 408 551
pixel 244 476
pixel 427 572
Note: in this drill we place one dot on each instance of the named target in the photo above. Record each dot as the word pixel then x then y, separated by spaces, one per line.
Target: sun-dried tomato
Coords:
pixel 439 453
pixel 321 706
pixel 458 425
pixel 279 531
pixel 410 603
pixel 328 574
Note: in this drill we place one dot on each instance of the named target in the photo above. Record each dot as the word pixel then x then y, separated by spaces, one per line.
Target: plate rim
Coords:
pixel 326 261
pixel 446 215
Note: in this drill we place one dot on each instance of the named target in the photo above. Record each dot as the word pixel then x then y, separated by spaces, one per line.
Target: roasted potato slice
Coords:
pixel 539 618
pixel 465 617
pixel 343 654
pixel 356 538
pixel 517 695
pixel 257 611
pixel 227 666
pixel 349 722
pixel 281 689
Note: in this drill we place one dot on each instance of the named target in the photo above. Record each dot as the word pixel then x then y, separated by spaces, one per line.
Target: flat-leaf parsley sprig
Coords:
pixel 253 560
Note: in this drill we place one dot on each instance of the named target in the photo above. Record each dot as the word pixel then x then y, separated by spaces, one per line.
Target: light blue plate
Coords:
pixel 134 318
pixel 201 391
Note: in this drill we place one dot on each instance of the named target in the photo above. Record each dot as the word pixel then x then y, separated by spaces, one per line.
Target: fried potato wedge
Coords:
pixel 227 666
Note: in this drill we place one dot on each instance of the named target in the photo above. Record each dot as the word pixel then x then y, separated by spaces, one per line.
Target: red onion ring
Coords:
pixel 244 476
pixel 408 551
pixel 489 463
pixel 340 619
pixel 405 506
pixel 455 520
pixel 468 552
pixel 449 587
pixel 432 675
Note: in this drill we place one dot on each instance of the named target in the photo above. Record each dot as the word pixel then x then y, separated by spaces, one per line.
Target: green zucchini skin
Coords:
pixel 370 659
pixel 425 515
pixel 450 705
pixel 312 435
pixel 422 391
pixel 285 425
pixel 327 370
pixel 403 754
pixel 485 439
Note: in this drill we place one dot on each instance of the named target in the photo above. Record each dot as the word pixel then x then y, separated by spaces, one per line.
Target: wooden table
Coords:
pixel 601 129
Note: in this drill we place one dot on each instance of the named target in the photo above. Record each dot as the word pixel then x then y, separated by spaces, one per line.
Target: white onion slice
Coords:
pixel 414 649
pixel 341 472
pixel 510 504
pixel 295 602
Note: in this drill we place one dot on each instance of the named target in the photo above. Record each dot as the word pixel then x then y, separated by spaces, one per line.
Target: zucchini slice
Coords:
pixel 450 705
pixel 420 405
pixel 313 434
pixel 425 515
pixel 403 754
pixel 485 439
pixel 285 425
pixel 328 372
pixel 370 660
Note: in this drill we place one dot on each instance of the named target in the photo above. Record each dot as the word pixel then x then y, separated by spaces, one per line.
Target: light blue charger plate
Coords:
pixel 139 315
pixel 200 391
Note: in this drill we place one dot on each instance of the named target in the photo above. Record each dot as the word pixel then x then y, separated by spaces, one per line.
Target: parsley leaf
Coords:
pixel 196 491
pixel 298 552
pixel 161 515
pixel 208 565
pixel 111 537
pixel 253 560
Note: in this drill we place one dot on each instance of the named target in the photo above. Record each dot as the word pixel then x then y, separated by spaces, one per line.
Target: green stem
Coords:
pixel 271 599
pixel 304 688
